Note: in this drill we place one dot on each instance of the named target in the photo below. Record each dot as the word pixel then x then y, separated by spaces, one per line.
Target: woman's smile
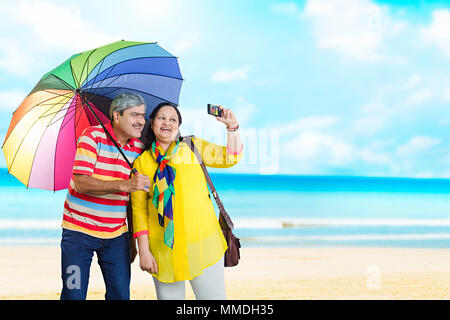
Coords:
pixel 165 125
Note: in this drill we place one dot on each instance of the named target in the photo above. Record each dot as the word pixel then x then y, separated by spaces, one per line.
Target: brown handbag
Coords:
pixel 232 255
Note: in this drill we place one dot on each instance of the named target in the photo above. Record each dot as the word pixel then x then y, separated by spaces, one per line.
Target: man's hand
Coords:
pixel 138 182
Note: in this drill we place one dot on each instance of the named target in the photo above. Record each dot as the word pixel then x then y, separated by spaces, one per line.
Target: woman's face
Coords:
pixel 165 125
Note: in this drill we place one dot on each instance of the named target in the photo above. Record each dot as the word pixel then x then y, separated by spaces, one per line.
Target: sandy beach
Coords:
pixel 33 272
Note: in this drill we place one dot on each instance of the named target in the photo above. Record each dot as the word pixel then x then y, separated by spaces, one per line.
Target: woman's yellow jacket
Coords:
pixel 198 239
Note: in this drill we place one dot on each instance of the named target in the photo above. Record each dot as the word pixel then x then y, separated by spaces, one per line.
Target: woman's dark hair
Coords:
pixel 148 136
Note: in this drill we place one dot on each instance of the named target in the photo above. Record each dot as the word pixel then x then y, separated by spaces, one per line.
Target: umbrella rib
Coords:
pixel 67 95
pixel 134 45
pixel 57 94
pixel 78 84
pixel 114 65
pixel 116 77
pixel 36 105
pixel 153 74
pixel 59 131
pixel 71 114
pixel 73 74
pixel 104 95
pixel 98 72
pixel 63 125
pixel 45 114
pixel 69 87
pixel 49 114
pixel 94 89
pixel 100 83
pixel 20 145
pixel 54 161
pixel 107 132
pixel 79 117
pixel 68 111
pixel 51 104
pixel 139 91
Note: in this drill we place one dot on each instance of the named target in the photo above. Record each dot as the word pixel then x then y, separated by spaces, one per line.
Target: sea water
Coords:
pixel 275 210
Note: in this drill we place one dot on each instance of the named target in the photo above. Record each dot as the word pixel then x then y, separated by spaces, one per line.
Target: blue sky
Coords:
pixel 324 87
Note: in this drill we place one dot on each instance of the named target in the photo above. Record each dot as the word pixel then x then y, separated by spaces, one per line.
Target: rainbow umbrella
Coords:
pixel 40 144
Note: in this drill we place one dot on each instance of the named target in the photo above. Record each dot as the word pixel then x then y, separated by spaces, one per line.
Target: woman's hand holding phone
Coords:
pixel 223 115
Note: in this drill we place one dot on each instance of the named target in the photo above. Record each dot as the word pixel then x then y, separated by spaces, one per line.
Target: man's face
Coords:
pixel 131 123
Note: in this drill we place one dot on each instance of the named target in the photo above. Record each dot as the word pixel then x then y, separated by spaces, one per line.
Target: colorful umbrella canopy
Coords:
pixel 40 144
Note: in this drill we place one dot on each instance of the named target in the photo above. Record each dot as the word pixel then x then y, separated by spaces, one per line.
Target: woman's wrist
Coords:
pixel 144 252
pixel 233 127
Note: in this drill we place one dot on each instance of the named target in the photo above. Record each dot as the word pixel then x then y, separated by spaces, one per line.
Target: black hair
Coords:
pixel 149 136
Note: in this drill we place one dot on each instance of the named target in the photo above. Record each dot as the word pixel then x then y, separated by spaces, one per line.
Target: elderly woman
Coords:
pixel 179 237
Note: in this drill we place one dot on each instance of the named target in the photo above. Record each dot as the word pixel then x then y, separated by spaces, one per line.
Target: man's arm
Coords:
pixel 94 186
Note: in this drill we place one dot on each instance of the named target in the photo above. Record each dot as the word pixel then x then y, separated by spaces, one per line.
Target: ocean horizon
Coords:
pixel 278 210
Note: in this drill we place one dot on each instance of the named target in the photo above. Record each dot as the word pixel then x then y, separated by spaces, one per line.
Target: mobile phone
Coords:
pixel 214 110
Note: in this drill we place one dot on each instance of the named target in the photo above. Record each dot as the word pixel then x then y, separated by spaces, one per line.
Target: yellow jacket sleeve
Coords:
pixel 216 156
pixel 139 201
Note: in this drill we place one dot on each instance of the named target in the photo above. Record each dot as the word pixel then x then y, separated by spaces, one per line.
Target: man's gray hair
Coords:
pixel 125 101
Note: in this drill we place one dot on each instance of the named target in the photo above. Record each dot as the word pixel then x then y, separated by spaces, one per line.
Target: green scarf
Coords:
pixel 163 189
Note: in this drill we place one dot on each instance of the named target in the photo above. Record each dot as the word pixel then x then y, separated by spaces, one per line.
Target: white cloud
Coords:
pixel 187 42
pixel 196 120
pixel 15 59
pixel 44 29
pixel 372 157
pixel 153 8
pixel 244 110
pixel 314 149
pixel 307 124
pixel 373 117
pixel 11 99
pixel 446 95
pixel 353 28
pixel 58 26
pixel 417 145
pixel 289 8
pixel 2 155
pixel 413 81
pixel 229 75
pixel 438 32
pixel 370 124
pixel 314 143
pixel 418 97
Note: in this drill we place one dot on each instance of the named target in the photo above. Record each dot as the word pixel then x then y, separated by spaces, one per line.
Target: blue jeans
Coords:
pixel 77 250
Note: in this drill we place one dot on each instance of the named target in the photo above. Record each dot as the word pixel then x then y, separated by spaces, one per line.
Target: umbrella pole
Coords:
pixel 86 103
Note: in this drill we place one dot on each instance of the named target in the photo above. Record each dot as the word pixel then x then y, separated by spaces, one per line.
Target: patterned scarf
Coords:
pixel 163 189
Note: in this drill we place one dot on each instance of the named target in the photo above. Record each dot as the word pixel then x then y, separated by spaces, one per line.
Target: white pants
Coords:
pixel 210 285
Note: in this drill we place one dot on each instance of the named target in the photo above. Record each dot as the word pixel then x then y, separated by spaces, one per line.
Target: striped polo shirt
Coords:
pixel 101 216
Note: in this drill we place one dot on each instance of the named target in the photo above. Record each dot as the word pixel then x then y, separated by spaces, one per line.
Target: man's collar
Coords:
pixel 110 129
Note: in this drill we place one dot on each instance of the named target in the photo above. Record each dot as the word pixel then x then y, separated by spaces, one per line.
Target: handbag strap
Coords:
pixel 225 222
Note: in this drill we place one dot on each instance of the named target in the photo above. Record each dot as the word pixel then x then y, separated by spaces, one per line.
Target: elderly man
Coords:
pixel 95 209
